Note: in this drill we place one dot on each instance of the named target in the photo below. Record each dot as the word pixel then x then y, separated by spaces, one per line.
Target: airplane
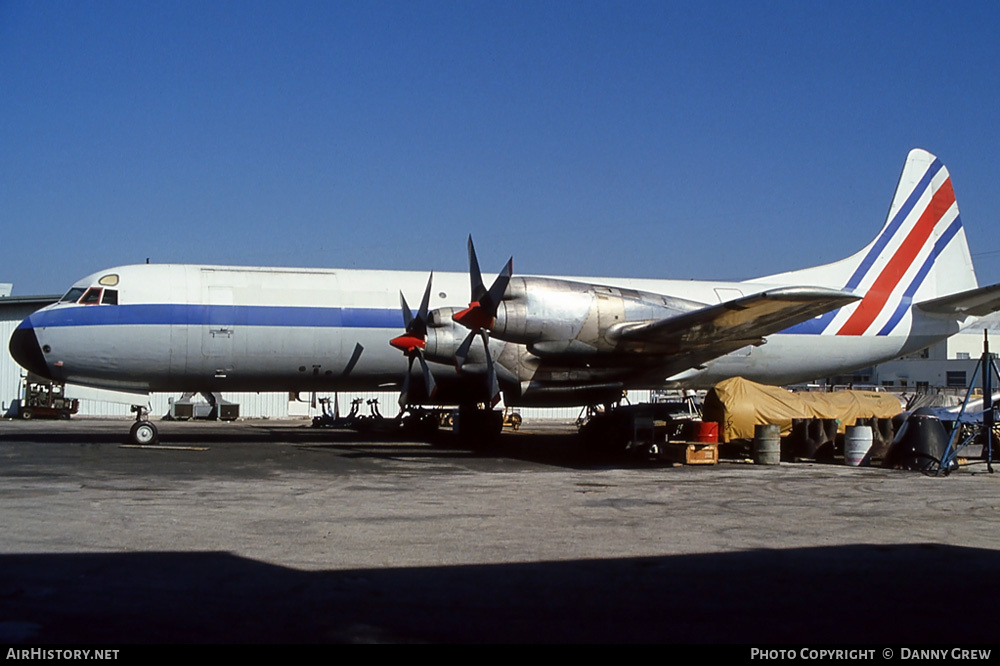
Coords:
pixel 538 341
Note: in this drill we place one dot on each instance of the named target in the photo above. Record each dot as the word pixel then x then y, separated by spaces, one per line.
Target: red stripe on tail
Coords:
pixel 881 289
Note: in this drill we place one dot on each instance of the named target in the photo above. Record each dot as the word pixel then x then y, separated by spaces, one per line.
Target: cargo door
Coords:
pixel 218 330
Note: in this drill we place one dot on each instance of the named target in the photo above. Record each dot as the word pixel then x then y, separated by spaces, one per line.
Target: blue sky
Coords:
pixel 645 139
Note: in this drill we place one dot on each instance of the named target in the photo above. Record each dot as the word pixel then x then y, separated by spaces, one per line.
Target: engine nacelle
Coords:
pixel 444 337
pixel 560 317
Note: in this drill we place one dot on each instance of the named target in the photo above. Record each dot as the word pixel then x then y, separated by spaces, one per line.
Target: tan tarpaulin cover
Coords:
pixel 738 405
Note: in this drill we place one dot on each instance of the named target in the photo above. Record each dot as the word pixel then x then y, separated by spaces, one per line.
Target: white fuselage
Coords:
pixel 216 328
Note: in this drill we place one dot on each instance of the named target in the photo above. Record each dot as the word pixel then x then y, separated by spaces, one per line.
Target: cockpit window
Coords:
pixel 92 297
pixel 110 280
pixel 73 295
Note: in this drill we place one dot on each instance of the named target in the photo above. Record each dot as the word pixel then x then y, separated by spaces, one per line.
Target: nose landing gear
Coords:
pixel 143 432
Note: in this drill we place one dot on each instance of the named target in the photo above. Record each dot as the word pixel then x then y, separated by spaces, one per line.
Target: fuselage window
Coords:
pixel 92 297
pixel 73 295
pixel 110 297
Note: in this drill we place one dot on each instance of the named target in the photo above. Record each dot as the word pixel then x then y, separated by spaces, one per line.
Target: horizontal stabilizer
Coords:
pixel 743 319
pixel 975 302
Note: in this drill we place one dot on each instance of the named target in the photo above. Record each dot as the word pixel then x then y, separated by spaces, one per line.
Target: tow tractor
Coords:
pixel 43 399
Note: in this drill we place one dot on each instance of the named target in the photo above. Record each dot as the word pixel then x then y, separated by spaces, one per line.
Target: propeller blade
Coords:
pixel 429 383
pixel 404 395
pixel 475 275
pixel 463 350
pixel 497 289
pixel 407 314
pixel 425 302
pixel 491 373
pixel 493 384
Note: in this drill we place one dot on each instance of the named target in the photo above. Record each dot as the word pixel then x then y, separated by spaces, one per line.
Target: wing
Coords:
pixel 719 329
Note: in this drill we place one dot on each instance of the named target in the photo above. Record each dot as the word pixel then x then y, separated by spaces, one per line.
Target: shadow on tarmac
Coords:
pixel 844 594
pixel 557 446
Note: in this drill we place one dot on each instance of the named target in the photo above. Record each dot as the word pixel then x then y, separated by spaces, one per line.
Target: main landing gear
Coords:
pixel 143 432
pixel 477 427
pixel 618 431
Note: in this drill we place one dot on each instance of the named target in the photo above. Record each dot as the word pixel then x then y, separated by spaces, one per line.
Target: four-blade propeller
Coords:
pixel 413 341
pixel 481 316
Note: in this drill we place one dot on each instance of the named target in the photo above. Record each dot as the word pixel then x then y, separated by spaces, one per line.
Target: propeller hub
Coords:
pixel 475 317
pixel 408 343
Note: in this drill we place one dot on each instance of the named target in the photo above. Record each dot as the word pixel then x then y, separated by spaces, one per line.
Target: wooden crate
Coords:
pixel 690 453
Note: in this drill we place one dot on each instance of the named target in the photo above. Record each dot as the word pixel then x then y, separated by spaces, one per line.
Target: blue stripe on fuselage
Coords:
pixel 215 315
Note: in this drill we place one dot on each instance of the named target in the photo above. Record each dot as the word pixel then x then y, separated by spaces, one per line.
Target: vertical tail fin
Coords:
pixel 920 254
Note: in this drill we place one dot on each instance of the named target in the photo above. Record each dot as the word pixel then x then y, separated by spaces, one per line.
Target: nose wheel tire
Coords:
pixel 143 433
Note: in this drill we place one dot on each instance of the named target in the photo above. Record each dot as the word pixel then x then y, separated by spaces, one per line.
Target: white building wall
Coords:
pixel 10 372
pixel 912 373
pixel 971 345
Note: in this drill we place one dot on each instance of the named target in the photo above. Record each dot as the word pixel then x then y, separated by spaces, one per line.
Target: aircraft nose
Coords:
pixel 25 350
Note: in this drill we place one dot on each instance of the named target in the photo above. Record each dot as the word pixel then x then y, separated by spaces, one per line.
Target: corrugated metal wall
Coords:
pixel 278 406
pixel 10 372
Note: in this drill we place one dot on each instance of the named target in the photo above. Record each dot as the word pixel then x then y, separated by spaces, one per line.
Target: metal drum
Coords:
pixel 766 444
pixel 857 443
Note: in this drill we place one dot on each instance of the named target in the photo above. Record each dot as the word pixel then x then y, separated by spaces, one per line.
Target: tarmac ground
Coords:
pixel 274 532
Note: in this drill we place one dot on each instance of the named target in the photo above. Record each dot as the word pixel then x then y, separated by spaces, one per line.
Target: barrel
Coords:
pixel 706 431
pixel 857 443
pixel 766 444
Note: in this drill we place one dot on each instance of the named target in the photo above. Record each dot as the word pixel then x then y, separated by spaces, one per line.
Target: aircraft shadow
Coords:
pixel 913 593
pixel 562 449
pixel 558 447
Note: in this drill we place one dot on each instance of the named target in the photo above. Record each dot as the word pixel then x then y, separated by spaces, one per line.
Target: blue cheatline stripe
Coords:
pixel 216 315
pixel 893 226
pixel 818 325
pixel 918 279
pixel 814 326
